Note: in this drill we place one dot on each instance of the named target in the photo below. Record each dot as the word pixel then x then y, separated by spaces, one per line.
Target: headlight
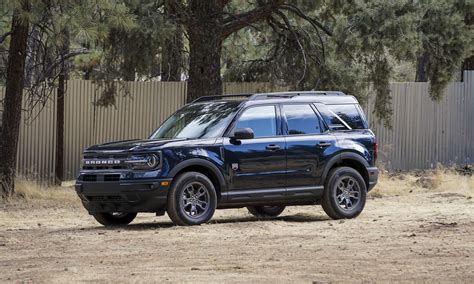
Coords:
pixel 144 161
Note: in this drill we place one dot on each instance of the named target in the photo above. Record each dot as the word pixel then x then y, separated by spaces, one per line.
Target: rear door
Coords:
pixel 309 147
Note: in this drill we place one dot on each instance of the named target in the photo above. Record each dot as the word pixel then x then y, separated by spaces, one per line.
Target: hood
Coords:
pixel 131 145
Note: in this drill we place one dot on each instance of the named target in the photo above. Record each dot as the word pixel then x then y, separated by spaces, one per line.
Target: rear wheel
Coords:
pixel 265 211
pixel 192 199
pixel 344 194
pixel 115 218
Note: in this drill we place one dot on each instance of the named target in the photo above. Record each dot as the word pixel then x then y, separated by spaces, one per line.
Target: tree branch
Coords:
pixel 298 12
pixel 296 38
pixel 223 3
pixel 4 36
pixel 177 10
pixel 234 23
pixel 49 69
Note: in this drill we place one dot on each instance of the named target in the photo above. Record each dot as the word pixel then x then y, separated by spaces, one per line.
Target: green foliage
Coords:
pixel 129 54
pixel 77 24
pixel 134 52
pixel 446 40
pixel 372 31
pixel 116 41
pixel 368 39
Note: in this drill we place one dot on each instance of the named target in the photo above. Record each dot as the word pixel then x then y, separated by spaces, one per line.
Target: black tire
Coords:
pixel 341 200
pixel 265 211
pixel 114 219
pixel 189 193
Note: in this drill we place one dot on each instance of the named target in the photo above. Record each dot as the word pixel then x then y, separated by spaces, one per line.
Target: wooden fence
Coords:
pixel 424 133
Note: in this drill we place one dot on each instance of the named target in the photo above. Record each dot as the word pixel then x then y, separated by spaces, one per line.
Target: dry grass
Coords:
pixel 35 194
pixel 390 184
pixel 439 180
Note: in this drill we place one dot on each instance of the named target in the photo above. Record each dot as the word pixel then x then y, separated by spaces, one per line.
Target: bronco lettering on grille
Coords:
pixel 102 162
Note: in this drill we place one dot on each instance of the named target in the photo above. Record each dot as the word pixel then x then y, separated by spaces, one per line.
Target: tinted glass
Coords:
pixel 197 121
pixel 301 119
pixel 348 113
pixel 261 119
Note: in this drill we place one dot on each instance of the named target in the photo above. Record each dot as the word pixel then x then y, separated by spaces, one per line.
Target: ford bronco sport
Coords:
pixel 260 151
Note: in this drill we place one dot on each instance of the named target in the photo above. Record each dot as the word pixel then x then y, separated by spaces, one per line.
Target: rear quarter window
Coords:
pixel 348 113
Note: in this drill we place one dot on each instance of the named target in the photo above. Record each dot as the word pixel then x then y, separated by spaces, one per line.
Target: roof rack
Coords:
pixel 292 94
pixel 214 98
pixel 263 96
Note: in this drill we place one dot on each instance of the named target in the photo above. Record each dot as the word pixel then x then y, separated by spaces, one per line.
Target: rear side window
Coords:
pixel 301 119
pixel 338 117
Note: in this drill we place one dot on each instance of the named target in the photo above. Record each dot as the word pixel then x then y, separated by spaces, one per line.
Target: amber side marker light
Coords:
pixel 165 183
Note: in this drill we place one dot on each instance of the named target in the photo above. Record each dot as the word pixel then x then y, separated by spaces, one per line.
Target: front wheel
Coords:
pixel 265 211
pixel 192 199
pixel 344 194
pixel 115 218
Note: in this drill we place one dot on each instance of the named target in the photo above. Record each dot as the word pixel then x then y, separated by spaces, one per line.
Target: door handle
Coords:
pixel 272 147
pixel 323 144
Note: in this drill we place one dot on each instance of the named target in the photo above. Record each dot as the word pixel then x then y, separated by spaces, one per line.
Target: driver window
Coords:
pixel 261 119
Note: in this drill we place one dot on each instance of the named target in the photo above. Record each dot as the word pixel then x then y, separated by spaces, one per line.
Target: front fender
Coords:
pixel 201 163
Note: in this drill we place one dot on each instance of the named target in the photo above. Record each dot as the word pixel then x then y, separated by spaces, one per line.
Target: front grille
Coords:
pixel 89 177
pixel 105 162
pixel 104 177
pixel 105 198
pixel 119 167
pixel 115 177
pixel 120 161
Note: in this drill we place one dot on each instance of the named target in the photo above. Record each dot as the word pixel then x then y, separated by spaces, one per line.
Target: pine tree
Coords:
pixel 13 98
pixel 55 25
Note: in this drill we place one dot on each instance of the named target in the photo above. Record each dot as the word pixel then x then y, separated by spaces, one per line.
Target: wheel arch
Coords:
pixel 349 159
pixel 205 167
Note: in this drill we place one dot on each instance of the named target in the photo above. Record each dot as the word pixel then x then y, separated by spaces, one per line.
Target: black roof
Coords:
pixel 326 97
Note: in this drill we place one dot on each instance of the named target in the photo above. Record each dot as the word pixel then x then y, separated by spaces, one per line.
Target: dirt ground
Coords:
pixel 422 236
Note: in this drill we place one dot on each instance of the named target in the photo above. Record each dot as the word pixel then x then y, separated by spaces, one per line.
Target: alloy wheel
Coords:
pixel 195 200
pixel 348 193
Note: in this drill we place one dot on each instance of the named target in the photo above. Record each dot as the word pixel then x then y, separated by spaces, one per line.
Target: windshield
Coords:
pixel 197 121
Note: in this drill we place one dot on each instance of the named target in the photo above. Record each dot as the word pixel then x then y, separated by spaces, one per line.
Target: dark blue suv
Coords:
pixel 260 151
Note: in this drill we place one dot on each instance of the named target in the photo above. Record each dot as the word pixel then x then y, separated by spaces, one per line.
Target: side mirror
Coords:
pixel 242 133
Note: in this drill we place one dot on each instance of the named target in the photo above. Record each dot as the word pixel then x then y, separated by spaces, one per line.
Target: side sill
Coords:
pixel 272 194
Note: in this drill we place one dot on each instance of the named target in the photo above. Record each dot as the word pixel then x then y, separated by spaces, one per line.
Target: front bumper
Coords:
pixel 373 177
pixel 123 196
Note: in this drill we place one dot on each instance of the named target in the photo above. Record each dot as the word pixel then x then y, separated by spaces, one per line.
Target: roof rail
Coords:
pixel 213 98
pixel 263 96
pixel 292 94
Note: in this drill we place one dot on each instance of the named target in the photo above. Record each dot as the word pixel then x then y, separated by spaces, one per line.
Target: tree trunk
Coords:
pixel 13 99
pixel 61 92
pixel 468 63
pixel 204 31
pixel 32 58
pixel 421 68
pixel 172 55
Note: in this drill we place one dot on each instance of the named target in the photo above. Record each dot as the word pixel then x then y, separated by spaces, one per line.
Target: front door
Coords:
pixel 256 167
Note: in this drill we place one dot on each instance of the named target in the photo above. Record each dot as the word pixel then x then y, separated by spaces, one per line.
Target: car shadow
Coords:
pixel 297 218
